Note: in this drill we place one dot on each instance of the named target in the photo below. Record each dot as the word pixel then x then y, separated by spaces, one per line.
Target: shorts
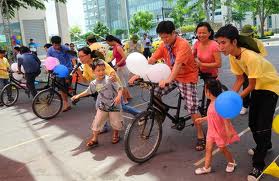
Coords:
pixel 65 83
pixel 115 119
pixel 189 93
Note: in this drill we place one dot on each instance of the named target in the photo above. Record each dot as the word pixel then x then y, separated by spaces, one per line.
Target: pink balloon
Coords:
pixel 51 62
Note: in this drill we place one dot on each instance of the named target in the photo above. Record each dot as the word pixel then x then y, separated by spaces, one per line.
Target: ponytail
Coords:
pixel 111 38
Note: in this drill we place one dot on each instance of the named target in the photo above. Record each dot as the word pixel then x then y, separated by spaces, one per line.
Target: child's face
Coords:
pixel 100 72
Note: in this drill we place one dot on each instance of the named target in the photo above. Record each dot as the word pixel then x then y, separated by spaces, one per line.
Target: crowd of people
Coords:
pixel 258 77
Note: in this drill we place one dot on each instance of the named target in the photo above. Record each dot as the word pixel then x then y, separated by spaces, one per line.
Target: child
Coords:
pixel 220 131
pixel 107 104
pixel 4 67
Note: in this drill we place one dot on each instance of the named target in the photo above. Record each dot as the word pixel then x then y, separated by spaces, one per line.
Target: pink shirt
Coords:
pixel 216 131
pixel 117 55
pixel 207 56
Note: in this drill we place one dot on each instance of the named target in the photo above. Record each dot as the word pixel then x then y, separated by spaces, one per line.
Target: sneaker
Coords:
pixel 243 110
pixel 230 167
pixel 254 174
pixel 251 151
pixel 203 170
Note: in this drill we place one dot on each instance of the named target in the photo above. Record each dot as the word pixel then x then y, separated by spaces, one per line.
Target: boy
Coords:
pixel 4 67
pixel 107 104
pixel 264 88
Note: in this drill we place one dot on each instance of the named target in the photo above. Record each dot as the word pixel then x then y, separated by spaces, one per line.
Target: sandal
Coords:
pixel 203 170
pixel 200 146
pixel 230 167
pixel 92 143
pixel 115 139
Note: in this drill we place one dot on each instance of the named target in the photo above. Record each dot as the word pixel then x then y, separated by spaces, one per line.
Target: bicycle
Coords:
pixel 143 135
pixel 48 103
pixel 10 92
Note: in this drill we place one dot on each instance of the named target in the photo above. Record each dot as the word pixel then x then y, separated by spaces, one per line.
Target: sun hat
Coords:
pixel 247 30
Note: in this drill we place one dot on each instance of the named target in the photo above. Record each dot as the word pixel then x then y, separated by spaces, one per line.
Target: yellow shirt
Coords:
pixel 89 75
pixel 255 66
pixel 4 65
pixel 261 47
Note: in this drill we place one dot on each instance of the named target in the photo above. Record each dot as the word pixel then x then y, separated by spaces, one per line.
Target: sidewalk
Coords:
pixel 272 41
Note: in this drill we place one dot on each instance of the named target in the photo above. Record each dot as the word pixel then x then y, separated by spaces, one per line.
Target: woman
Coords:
pixel 206 50
pixel 122 71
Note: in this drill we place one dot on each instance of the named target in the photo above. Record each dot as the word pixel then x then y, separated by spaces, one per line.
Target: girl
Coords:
pixel 122 71
pixel 220 131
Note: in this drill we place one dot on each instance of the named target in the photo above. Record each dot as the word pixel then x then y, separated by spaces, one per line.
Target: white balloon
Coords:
pixel 137 63
pixel 18 76
pixel 158 72
pixel 14 67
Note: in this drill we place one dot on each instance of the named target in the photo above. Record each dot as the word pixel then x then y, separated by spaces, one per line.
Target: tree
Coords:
pixel 75 33
pixel 9 7
pixel 261 8
pixel 141 20
pixel 100 30
pixel 120 32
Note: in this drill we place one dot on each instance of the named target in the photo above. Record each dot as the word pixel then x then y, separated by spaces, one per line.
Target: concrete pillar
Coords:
pixel 62 21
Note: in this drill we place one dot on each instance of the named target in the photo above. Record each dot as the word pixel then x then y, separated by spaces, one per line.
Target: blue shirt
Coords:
pixel 30 62
pixel 62 55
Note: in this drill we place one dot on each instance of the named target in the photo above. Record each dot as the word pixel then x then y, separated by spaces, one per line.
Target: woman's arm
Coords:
pixel 238 83
pixel 216 64
pixel 121 52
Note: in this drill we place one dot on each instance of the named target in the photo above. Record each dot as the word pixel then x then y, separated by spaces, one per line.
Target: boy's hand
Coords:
pixel 74 97
pixel 117 100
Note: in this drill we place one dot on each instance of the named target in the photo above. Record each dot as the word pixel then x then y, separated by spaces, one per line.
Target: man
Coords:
pixel 33 46
pixel 263 86
pixel 31 64
pixel 146 46
pixel 61 52
pixel 247 33
pixel 177 54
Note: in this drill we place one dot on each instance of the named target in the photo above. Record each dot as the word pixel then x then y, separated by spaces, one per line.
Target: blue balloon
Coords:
pixel 61 71
pixel 18 42
pixel 228 104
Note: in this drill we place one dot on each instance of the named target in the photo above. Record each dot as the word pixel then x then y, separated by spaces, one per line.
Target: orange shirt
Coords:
pixel 183 54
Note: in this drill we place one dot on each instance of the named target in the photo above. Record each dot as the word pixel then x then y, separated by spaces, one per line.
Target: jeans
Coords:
pixel 262 108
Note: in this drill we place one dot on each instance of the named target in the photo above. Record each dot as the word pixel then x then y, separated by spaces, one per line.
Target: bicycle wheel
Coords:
pixel 142 137
pixel 47 104
pixel 9 94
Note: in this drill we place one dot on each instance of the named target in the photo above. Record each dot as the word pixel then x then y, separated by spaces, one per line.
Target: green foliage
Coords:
pixel 75 33
pixel 10 6
pixel 141 20
pixel 187 28
pixel 268 33
pixel 100 30
pixel 188 12
pixel 119 32
pixel 262 8
pixel 85 35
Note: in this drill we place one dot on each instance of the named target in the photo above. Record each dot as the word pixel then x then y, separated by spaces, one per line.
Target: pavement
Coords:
pixel 32 149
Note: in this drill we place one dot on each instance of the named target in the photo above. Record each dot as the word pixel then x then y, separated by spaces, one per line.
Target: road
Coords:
pixel 32 149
